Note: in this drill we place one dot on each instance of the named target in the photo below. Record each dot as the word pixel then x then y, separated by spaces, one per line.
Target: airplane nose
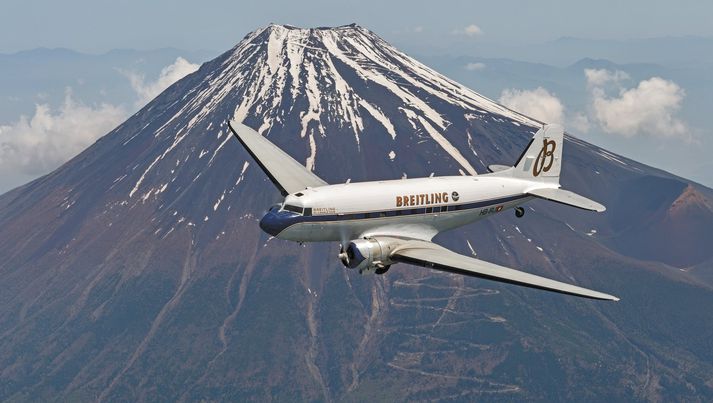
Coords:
pixel 271 223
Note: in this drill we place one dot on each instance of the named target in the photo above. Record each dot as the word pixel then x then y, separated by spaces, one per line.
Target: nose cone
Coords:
pixel 271 223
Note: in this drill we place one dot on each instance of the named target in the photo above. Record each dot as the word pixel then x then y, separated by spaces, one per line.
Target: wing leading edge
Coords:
pixel 288 175
pixel 428 254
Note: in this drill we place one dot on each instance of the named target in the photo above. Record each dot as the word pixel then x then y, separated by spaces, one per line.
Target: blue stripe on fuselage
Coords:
pixel 275 222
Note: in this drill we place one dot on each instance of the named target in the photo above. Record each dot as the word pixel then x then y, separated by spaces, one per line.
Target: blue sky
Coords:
pixel 650 104
pixel 100 25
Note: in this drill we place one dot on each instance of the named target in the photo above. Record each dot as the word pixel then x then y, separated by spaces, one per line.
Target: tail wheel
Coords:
pixel 519 212
pixel 382 270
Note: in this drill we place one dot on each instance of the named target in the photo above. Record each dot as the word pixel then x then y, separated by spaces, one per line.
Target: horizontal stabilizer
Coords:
pixel 498 168
pixel 568 198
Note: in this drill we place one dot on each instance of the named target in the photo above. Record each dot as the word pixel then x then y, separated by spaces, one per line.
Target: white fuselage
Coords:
pixel 403 208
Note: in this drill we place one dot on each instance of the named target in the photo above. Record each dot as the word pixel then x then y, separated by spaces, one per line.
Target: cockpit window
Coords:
pixel 294 209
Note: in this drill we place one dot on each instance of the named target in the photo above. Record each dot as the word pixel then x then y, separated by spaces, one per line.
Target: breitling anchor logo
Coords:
pixel 545 158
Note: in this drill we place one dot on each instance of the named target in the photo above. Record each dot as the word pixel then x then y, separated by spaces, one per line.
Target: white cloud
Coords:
pixel 471 30
pixel 475 66
pixel 537 103
pixel 650 108
pixel 36 145
pixel 602 77
pixel 579 122
pixel 169 75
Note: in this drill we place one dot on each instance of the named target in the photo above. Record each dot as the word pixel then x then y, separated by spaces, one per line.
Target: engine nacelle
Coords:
pixel 367 255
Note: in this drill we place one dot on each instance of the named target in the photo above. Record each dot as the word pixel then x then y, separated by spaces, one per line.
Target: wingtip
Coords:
pixel 603 296
pixel 239 127
pixel 611 298
pixel 232 123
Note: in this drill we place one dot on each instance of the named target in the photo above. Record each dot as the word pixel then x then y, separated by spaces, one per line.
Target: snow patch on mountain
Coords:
pixel 339 76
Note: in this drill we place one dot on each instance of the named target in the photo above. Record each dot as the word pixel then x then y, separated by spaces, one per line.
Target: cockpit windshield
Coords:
pixel 294 209
pixel 306 211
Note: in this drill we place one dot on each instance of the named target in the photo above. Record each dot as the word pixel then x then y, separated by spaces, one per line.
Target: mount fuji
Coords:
pixel 137 271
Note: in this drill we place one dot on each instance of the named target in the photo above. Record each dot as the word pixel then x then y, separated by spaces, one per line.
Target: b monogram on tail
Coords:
pixel 545 158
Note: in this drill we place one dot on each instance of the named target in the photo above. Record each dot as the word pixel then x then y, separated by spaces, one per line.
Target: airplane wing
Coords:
pixel 428 254
pixel 287 174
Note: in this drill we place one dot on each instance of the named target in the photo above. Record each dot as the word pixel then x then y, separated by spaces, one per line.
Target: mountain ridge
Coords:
pixel 137 270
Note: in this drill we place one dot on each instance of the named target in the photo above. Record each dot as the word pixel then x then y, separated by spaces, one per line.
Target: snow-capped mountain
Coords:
pixel 137 270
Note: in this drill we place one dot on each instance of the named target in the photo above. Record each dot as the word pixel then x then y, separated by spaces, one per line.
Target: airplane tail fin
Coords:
pixel 542 162
pixel 542 159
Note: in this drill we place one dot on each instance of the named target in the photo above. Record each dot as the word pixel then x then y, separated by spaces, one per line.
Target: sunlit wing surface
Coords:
pixel 287 174
pixel 568 198
pixel 430 255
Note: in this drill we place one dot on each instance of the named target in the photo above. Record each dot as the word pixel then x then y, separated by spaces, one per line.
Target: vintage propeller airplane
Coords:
pixel 394 221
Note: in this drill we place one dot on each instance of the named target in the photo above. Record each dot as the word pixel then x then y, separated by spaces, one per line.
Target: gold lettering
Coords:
pixel 428 198
pixel 545 158
pixel 421 198
pixel 413 200
pixel 445 197
pixel 399 201
pixel 437 198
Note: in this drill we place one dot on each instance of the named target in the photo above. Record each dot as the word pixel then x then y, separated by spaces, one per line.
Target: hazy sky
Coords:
pixel 100 25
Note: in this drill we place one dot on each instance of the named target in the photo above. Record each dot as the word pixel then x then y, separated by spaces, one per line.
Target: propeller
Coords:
pixel 343 255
